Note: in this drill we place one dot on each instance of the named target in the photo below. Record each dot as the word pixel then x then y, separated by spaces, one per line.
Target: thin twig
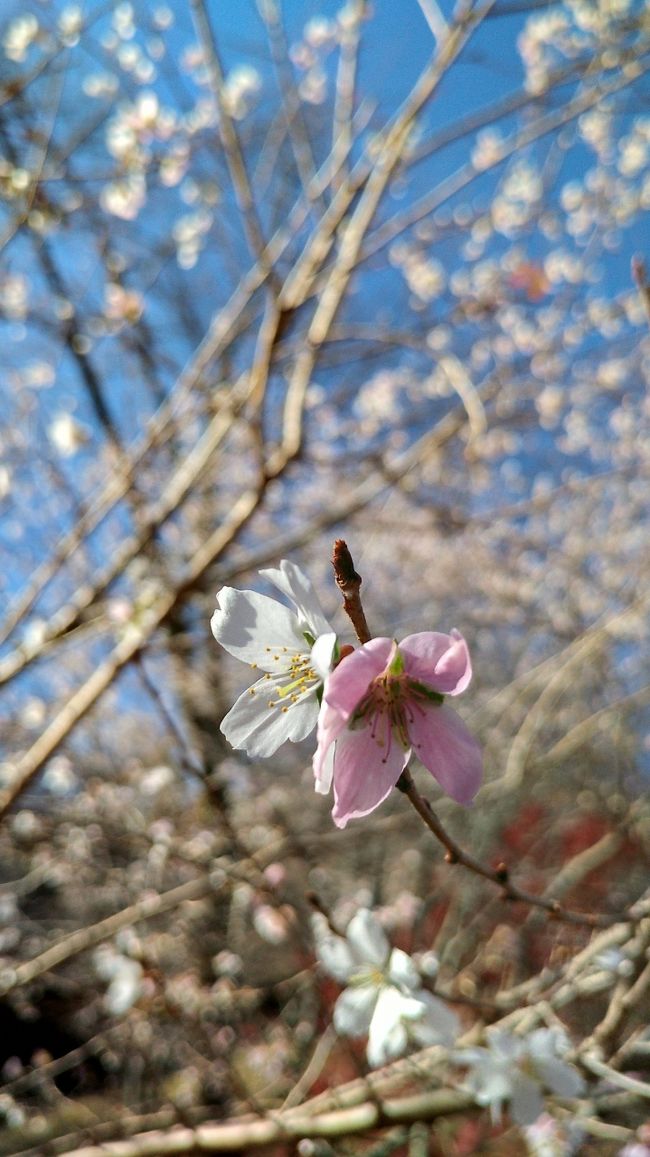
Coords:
pixel 349 584
pixel 641 278
pixel 499 875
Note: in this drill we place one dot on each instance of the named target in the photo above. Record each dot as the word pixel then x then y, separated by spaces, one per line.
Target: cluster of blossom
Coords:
pixel 373 707
pixel 384 999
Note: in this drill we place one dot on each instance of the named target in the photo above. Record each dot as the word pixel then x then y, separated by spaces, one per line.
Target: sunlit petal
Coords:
pixel 448 750
pixel 292 581
pixel 440 661
pixel 349 682
pixel 254 628
pixel 364 774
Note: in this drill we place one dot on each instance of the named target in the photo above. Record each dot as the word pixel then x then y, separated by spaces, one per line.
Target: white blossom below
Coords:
pixel 383 998
pixel 519 1070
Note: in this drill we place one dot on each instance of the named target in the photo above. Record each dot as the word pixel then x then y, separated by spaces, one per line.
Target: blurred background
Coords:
pixel 271 274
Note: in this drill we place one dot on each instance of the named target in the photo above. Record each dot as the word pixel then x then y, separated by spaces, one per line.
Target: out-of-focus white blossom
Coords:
pixel 384 998
pixel 19 35
pixel 548 1137
pixel 124 198
pixel 70 24
pixel 67 435
pixel 240 90
pixel 519 1070
pixel 122 305
pixel 13 296
pixel 124 976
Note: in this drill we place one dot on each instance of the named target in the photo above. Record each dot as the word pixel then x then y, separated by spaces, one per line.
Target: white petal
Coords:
pixel 322 654
pixel 402 971
pixel 547 1043
pixel 294 583
pixel 255 628
pixel 353 1010
pixel 366 938
pixel 387 1036
pixel 527 1102
pixel 258 729
pixel 561 1078
pixel 437 1025
pixel 332 951
pixel 489 1081
pixel 505 1046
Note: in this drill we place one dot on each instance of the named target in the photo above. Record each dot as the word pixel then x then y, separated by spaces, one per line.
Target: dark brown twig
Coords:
pixel 499 875
pixel 349 584
pixel 640 276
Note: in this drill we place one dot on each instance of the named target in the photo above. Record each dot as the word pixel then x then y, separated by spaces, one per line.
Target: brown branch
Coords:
pixel 499 875
pixel 641 278
pixel 349 583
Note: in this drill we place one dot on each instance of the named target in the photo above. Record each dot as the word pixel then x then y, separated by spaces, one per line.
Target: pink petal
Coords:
pixel 364 774
pixel 440 661
pixel 447 749
pixel 330 726
pixel 349 682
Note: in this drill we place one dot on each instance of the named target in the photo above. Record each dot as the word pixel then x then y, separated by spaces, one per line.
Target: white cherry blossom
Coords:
pixel 519 1070
pixel 383 998
pixel 294 649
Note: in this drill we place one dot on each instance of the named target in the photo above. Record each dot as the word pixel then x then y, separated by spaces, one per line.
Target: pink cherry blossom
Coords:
pixel 383 703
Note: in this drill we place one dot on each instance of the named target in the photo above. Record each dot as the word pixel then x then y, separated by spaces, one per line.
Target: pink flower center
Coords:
pixel 387 709
pixel 391 703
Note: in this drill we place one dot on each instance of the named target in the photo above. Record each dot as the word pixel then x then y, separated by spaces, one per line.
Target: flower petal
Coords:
pixel 367 939
pixel 332 951
pixel 364 773
pixel 330 726
pixel 438 1023
pixel 350 681
pixel 255 628
pixel 440 661
pixel 527 1102
pixel 258 729
pixel 322 654
pixel 561 1078
pixel 353 1010
pixel 447 749
pixel 402 971
pixel 293 582
pixel 323 766
pixel 387 1036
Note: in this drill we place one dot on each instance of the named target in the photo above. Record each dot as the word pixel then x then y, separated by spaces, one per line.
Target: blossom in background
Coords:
pixel 66 434
pixel 548 1137
pixel 640 1147
pixel 383 998
pixel 518 1069
pixel 125 979
pixel 294 649
pixel 385 701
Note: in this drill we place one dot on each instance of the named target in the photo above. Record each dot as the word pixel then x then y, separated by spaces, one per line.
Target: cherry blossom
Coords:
pixel 293 648
pixel 383 998
pixel 384 702
pixel 518 1070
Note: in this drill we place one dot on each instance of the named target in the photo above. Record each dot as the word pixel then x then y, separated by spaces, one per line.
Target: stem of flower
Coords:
pixel 499 875
pixel 349 583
